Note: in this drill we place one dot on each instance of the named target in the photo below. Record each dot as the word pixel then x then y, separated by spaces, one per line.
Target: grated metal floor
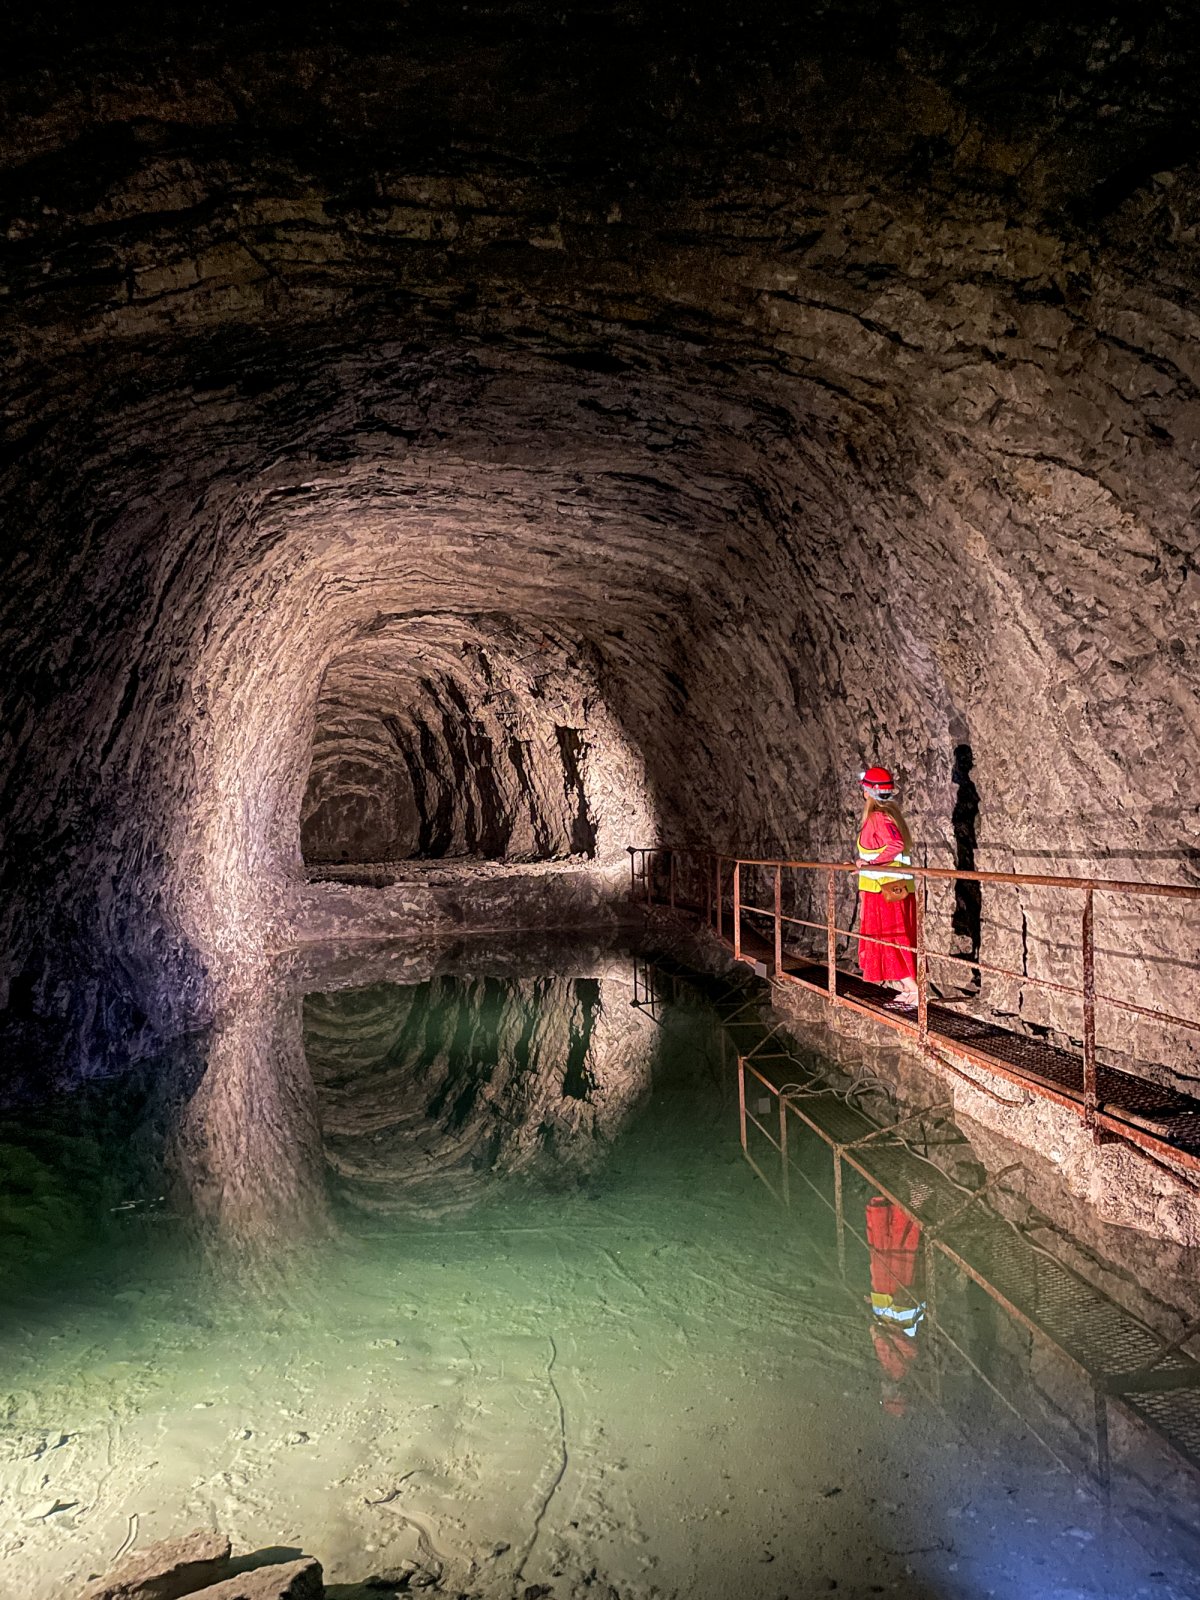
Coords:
pixel 1172 1118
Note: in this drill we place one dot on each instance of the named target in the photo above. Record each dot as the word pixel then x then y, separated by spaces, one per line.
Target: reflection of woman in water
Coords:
pixel 886 892
pixel 893 1238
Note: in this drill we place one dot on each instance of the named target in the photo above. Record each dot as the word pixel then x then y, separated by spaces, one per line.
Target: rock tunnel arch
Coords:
pixel 463 736
pixel 848 442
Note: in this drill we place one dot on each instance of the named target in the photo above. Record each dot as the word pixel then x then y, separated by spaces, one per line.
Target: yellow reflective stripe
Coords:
pixel 885 1308
pixel 903 859
pixel 872 878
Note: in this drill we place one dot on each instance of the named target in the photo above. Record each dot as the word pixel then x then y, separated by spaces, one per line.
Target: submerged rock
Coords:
pixel 166 1570
pixel 291 1580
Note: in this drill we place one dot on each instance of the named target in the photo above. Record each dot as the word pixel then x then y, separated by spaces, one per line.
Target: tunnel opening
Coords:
pixel 523 522
pixel 439 741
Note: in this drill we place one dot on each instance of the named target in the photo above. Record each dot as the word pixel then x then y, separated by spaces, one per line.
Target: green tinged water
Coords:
pixel 469 1281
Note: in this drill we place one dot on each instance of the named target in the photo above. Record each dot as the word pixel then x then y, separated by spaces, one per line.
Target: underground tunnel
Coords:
pixel 479 488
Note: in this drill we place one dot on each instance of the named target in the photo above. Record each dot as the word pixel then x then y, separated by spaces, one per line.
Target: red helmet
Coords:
pixel 878 779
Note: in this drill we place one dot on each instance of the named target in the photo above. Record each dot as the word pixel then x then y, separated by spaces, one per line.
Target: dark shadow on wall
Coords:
pixel 967 919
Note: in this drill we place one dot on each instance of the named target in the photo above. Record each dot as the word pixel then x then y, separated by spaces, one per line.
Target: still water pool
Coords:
pixel 468 1280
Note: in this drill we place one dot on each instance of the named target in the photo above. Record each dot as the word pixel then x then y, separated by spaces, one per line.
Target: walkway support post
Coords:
pixel 831 931
pixel 783 1151
pixel 1090 1096
pixel 741 1072
pixel 778 918
pixel 737 910
pixel 922 969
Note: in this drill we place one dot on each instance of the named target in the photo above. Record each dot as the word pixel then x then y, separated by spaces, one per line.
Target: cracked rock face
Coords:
pixel 519 437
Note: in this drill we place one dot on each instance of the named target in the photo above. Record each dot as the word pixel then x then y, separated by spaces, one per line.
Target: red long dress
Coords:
pixel 897 1308
pixel 891 920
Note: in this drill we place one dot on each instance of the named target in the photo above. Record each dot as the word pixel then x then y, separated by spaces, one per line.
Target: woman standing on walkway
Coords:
pixel 888 924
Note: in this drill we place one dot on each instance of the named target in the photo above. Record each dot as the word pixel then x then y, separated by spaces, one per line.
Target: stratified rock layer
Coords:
pixel 790 387
pixel 453 736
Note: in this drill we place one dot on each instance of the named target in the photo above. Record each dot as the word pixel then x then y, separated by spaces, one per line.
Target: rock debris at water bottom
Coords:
pixel 200 1564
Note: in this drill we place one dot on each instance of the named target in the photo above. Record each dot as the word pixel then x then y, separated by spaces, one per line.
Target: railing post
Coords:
pixel 778 918
pixel 831 932
pixel 707 888
pixel 671 860
pixel 737 910
pixel 1090 1096
pixel 922 965
pixel 632 873
pixel 720 908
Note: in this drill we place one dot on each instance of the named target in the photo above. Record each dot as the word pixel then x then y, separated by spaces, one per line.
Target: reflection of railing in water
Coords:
pixel 1117 1359
pixel 1125 1363
pixel 1112 1103
pixel 646 995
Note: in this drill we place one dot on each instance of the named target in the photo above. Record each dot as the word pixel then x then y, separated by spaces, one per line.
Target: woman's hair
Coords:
pixel 890 809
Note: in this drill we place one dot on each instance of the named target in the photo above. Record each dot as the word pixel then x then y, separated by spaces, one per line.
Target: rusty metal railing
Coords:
pixel 711 885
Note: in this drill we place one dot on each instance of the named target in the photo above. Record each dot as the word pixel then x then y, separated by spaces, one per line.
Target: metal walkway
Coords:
pixel 786 1111
pixel 1162 1122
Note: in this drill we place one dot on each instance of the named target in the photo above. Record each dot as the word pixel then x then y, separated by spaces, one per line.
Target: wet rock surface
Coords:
pixel 816 389
pixel 166 1570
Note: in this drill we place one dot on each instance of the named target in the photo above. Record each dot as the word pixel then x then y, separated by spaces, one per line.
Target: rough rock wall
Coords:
pixel 466 736
pixel 828 398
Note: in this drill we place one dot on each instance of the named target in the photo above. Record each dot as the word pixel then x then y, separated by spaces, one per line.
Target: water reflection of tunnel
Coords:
pixel 427 1089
